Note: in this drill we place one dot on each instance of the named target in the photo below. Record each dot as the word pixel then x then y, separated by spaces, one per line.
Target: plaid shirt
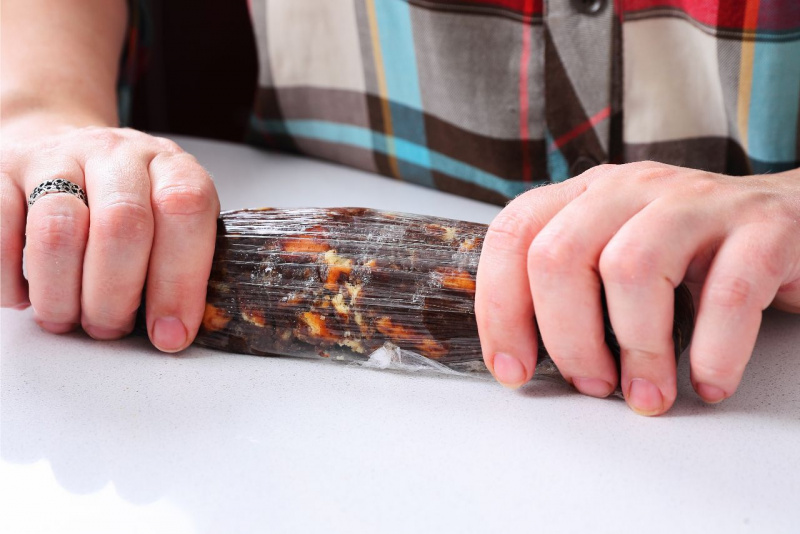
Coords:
pixel 488 98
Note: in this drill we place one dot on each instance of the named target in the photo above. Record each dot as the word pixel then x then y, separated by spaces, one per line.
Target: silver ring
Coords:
pixel 59 185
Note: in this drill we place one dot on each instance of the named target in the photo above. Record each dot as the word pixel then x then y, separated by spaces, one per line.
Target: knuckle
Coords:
pixel 572 364
pixel 552 253
pixel 487 310
pixel 6 181
pixel 55 301
pixel 180 163
pixel 186 200
pixel 16 152
pixel 165 289
pixel 121 318
pixel 506 232
pixel 641 173
pixel 704 185
pixel 597 172
pixel 117 313
pixel 49 315
pixel 167 145
pixel 583 353
pixel 649 175
pixel 576 360
pixel 183 297
pixel 642 356
pixel 123 220
pixel 717 371
pixel 53 233
pixel 730 292
pixel 105 138
pixel 495 323
pixel 648 165
pixel 771 261
pixel 9 161
pixel 602 168
pixel 627 264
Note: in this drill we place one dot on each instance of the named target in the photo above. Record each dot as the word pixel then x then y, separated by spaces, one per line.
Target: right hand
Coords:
pixel 151 221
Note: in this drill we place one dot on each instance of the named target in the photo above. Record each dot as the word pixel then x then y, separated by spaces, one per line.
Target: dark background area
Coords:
pixel 200 73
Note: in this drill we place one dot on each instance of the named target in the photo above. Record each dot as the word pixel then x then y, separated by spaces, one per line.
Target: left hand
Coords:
pixel 638 230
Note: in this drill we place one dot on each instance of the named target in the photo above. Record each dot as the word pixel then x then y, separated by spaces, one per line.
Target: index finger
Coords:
pixel 185 208
pixel 744 277
pixel 503 303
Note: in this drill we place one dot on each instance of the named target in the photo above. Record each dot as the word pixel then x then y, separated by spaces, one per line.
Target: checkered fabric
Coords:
pixel 488 98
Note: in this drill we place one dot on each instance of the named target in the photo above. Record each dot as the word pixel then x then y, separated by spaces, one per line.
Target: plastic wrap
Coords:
pixel 388 290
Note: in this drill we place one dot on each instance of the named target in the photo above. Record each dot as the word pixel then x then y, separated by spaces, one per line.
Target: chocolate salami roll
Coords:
pixel 354 284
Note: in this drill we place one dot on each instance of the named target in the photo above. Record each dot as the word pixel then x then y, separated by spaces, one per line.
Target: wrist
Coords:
pixel 25 116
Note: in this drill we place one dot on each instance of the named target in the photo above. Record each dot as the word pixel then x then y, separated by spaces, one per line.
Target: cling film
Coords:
pixel 386 290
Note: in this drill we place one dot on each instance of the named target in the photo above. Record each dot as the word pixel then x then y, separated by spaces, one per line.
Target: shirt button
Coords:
pixel 582 164
pixel 589 7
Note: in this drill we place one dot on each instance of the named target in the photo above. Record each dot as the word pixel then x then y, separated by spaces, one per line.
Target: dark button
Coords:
pixel 581 165
pixel 589 7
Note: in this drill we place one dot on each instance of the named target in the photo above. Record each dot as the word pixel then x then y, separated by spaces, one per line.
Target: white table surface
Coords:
pixel 117 437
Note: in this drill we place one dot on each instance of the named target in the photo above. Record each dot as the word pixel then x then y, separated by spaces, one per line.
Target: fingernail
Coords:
pixel 57 328
pixel 645 398
pixel 22 305
pixel 104 334
pixel 169 334
pixel 508 370
pixel 593 387
pixel 710 393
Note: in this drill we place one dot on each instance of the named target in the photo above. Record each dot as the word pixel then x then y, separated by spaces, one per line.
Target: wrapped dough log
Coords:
pixel 354 283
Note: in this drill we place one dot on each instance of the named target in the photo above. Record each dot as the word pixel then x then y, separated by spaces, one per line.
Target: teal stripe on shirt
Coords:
pixel 397 48
pixel 407 151
pixel 774 102
pixel 396 36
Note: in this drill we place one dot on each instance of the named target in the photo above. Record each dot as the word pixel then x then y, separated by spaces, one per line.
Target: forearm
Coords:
pixel 60 58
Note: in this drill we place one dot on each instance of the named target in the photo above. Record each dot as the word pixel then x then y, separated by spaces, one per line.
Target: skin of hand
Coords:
pixel 152 212
pixel 152 216
pixel 638 230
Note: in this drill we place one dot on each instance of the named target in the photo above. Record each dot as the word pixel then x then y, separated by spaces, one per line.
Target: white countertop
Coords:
pixel 117 437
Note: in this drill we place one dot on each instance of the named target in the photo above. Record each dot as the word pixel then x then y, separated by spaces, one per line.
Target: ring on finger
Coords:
pixel 59 185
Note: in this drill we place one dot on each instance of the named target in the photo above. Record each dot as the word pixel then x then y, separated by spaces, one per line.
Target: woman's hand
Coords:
pixel 638 230
pixel 151 221
pixel 152 208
